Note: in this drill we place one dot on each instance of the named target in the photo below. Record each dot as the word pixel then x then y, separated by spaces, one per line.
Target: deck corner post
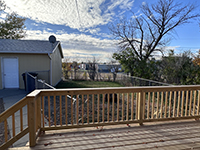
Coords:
pixel 140 108
pixel 31 122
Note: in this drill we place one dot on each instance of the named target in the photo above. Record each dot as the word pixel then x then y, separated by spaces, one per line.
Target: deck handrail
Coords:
pixel 53 109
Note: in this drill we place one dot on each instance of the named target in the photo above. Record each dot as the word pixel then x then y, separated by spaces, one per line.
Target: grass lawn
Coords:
pixel 87 84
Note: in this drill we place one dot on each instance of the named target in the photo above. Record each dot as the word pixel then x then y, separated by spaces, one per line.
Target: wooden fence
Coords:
pixel 77 108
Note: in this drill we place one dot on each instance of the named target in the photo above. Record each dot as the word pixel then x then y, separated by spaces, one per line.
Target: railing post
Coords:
pixel 31 121
pixel 141 107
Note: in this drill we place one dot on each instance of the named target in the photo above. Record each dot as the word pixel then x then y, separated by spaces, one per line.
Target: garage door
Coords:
pixel 10 73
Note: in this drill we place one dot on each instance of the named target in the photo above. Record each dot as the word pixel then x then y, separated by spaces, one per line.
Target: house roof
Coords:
pixel 28 46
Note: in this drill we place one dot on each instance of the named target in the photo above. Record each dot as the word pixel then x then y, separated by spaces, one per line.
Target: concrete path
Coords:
pixel 10 97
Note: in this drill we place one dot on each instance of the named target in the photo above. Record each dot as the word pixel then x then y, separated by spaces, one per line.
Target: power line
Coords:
pixel 78 12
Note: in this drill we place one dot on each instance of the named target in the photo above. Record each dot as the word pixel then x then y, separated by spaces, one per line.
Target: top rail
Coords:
pixel 119 89
pixel 13 109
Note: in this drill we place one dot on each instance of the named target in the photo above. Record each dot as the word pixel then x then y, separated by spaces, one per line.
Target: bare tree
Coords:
pixel 114 68
pixel 141 36
pixel 92 68
pixel 66 67
pixel 75 67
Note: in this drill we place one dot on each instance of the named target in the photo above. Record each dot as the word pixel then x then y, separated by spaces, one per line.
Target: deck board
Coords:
pixel 175 135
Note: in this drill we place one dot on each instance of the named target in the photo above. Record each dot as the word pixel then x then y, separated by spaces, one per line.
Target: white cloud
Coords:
pixel 49 29
pixel 85 14
pixel 123 4
pixel 77 44
pixel 3 15
pixel 143 3
pixel 93 31
pixel 34 24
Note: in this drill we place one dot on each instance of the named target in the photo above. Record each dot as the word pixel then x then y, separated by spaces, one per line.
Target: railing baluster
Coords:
pixel 190 107
pixel 194 104
pixel 82 96
pixel 182 103
pixel 179 99
pixel 186 106
pixel 21 119
pixel 158 99
pixel 166 102
pixel 36 117
pixel 144 104
pixel 148 105
pixel 60 110
pixel 66 110
pixel 13 124
pixel 108 107
pixel 103 107
pixel 98 108
pixel 49 109
pixel 6 130
pixel 38 101
pixel 54 106
pixel 127 108
pixel 117 106
pixel 161 107
pixel 93 108
pixel 137 105
pixel 198 103
pixel 153 101
pixel 43 121
pixel 113 107
pixel 88 108
pixel 72 114
pixel 174 104
pixel 123 106
pixel 77 109
pixel 141 107
pixel 170 104
pixel 132 105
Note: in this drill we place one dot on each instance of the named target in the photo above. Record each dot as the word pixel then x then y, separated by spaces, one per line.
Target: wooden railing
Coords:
pixel 76 108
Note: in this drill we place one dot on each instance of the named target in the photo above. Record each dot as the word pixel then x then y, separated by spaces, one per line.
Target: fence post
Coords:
pixel 31 121
pixel 26 81
pixel 36 85
pixel 141 108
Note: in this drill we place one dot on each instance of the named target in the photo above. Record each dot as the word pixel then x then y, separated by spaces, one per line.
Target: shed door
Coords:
pixel 10 73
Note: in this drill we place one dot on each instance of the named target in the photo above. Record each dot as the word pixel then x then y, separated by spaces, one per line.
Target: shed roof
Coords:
pixel 28 46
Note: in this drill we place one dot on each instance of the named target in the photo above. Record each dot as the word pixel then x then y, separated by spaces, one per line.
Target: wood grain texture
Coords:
pixel 180 135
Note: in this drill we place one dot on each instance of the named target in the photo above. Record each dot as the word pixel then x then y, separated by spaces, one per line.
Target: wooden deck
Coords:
pixel 165 136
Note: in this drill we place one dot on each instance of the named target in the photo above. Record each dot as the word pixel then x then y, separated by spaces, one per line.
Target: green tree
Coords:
pixel 141 68
pixel 196 59
pixel 180 69
pixel 141 37
pixel 13 26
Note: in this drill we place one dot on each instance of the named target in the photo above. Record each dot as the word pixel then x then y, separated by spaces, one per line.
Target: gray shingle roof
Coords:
pixel 27 46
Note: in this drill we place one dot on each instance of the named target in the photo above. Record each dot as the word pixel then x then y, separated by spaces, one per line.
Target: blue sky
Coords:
pixel 82 25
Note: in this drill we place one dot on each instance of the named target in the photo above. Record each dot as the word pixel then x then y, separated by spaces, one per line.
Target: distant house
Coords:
pixel 104 68
pixel 20 56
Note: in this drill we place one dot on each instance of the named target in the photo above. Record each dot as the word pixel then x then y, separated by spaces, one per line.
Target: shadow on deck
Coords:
pixel 172 135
